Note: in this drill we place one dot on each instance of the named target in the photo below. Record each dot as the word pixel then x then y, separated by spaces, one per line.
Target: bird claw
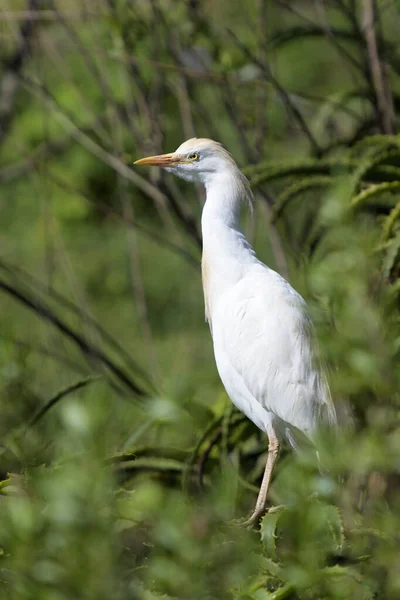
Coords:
pixel 243 522
pixel 274 509
pixel 238 522
pixel 254 518
pixel 248 522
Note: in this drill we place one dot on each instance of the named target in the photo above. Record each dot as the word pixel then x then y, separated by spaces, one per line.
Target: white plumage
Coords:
pixel 262 336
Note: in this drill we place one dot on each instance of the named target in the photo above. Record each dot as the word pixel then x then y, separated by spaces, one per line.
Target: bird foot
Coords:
pixel 254 518
pixel 242 522
pixel 251 521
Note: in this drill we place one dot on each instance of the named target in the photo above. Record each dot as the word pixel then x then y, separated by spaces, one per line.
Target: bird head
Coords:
pixel 195 160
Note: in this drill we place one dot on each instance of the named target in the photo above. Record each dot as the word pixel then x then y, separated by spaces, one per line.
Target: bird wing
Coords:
pixel 262 328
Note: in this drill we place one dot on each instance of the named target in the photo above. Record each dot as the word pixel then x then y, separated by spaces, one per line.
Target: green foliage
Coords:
pixel 124 468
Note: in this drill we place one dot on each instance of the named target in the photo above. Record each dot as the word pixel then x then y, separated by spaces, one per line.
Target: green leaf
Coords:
pixel 268 532
pixel 390 222
pixel 266 172
pixel 297 188
pixel 375 190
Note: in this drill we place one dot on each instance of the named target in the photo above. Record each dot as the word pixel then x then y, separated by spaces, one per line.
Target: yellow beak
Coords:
pixel 161 160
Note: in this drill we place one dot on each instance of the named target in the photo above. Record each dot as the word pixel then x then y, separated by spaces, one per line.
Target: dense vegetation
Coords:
pixel 124 466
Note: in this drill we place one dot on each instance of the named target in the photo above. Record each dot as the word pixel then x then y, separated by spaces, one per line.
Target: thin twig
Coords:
pixel 382 91
pixel 96 72
pixel 105 209
pixel 65 360
pixel 47 314
pixel 262 96
pixel 138 86
pixel 286 100
pixel 275 240
pixel 59 396
pixel 37 285
pixel 135 267
pixel 205 454
pixel 91 146
pixel 42 15
pixel 348 58
pixel 11 69
pixel 222 80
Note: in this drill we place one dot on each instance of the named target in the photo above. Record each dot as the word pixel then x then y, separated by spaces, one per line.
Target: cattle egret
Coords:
pixel 262 336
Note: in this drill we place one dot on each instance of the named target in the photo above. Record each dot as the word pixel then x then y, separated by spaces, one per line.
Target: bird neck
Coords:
pixel 226 252
pixel 225 194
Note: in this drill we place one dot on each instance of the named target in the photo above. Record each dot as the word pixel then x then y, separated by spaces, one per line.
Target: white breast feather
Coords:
pixel 266 337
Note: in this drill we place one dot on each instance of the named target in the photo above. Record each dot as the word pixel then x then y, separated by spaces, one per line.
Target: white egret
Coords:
pixel 262 336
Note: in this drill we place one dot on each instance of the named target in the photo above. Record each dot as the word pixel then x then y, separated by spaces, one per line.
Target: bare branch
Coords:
pixel 286 100
pixel 129 222
pixel 382 89
pixel 12 68
pixel 42 310
pixel 43 15
pixel 59 396
pixel 84 140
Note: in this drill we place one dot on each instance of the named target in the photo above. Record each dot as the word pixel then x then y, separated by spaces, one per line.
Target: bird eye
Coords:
pixel 193 156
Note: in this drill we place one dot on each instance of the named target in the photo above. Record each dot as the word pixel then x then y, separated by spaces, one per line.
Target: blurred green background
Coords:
pixel 123 463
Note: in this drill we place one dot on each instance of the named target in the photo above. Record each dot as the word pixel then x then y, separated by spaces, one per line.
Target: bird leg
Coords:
pixel 273 449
